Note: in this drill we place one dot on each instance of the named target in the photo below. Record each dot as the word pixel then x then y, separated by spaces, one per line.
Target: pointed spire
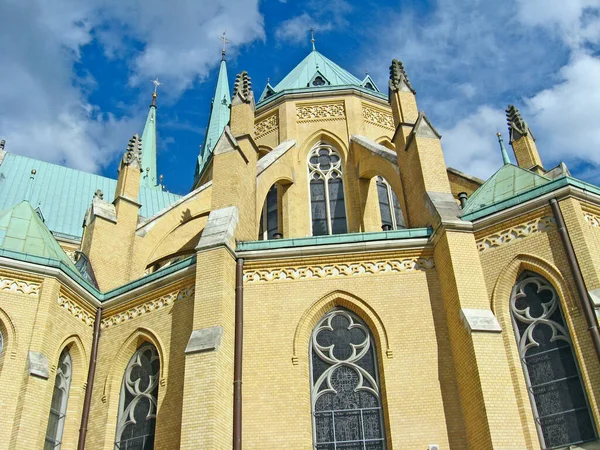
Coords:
pixel 149 144
pixel 505 157
pixel 242 92
pixel 218 119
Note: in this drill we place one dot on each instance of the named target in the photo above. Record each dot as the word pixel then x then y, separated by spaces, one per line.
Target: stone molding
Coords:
pixel 266 126
pixel 378 117
pixel 309 113
pixel 19 286
pixel 150 306
pixel 75 310
pixel 516 233
pixel 592 219
pixel 339 270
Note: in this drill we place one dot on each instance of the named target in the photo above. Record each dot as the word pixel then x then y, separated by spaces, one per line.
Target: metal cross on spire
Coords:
pixel 156 84
pixel 225 41
pixel 312 38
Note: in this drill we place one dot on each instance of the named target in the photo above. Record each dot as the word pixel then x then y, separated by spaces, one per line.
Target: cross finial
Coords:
pixel 156 84
pixel 225 41
pixel 312 38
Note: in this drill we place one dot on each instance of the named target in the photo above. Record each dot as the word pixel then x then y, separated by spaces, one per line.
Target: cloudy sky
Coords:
pixel 75 76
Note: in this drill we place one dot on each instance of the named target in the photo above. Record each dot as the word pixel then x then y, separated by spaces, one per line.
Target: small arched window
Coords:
pixel 389 206
pixel 318 81
pixel 269 218
pixel 137 405
pixel 327 206
pixel 345 394
pixel 558 399
pixel 58 406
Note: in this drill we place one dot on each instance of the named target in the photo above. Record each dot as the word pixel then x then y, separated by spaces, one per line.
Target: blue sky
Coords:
pixel 75 81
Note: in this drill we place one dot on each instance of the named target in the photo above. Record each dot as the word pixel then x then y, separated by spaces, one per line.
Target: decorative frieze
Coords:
pixel 592 219
pixel 306 113
pixel 19 286
pixel 150 306
pixel 378 117
pixel 518 232
pixel 75 310
pixel 266 126
pixel 339 270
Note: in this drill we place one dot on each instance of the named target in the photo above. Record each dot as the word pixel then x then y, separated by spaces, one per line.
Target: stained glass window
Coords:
pixel 556 391
pixel 138 401
pixel 346 400
pixel 389 206
pixel 58 406
pixel 327 205
pixel 269 223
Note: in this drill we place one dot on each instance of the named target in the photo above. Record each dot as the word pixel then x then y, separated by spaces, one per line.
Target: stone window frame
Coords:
pixel 336 171
pixel 62 386
pixel 393 204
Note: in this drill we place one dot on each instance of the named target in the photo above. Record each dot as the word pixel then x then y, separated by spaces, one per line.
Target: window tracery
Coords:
pixel 389 206
pixel 558 399
pixel 138 401
pixel 345 394
pixel 58 406
pixel 328 208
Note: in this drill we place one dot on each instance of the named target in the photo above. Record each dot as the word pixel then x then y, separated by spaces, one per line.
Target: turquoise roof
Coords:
pixel 22 230
pixel 64 195
pixel 506 183
pixel 219 118
pixel 302 75
pixel 149 177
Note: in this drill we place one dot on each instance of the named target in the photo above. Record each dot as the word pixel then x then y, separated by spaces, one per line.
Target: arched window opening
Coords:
pixel 558 399
pixel 327 205
pixel 138 402
pixel 269 218
pixel 389 206
pixel 345 393
pixel 58 406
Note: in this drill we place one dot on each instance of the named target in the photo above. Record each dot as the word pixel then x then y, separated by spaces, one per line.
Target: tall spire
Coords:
pixel 505 157
pixel 149 173
pixel 219 117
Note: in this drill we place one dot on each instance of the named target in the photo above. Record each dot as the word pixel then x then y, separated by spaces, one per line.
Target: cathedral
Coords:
pixel 327 283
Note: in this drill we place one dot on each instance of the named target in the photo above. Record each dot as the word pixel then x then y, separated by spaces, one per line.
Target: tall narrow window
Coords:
pixel 346 400
pixel 557 395
pixel 269 219
pixel 138 401
pixel 389 206
pixel 327 206
pixel 58 407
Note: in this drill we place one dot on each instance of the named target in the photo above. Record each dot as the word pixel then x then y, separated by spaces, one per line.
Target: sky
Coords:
pixel 75 77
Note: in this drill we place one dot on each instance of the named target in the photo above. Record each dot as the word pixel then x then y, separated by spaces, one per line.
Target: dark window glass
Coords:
pixel 318 81
pixel 318 209
pixel 270 215
pixel 347 410
pixel 337 206
pixel 558 397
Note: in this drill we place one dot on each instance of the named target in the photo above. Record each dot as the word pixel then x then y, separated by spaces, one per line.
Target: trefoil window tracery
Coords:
pixel 558 399
pixel 138 401
pixel 346 399
pixel 327 204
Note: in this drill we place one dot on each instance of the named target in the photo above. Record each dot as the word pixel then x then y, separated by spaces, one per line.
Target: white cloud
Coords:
pixel 45 110
pixel 322 17
pixel 470 145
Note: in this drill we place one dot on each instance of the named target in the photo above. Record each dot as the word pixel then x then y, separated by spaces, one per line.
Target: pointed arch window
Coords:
pixel 558 399
pixel 345 393
pixel 58 406
pixel 389 206
pixel 327 205
pixel 136 422
pixel 269 218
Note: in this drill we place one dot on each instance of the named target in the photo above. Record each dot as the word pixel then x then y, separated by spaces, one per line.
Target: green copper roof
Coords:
pixel 507 182
pixel 149 177
pixel 22 230
pixel 219 118
pixel 305 72
pixel 64 194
